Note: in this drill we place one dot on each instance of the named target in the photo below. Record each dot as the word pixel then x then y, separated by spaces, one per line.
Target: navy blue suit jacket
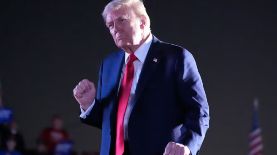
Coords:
pixel 169 102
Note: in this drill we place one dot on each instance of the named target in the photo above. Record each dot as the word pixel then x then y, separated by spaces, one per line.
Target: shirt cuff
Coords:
pixel 85 113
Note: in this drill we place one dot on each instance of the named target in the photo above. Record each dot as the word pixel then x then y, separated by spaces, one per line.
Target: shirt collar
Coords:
pixel 142 51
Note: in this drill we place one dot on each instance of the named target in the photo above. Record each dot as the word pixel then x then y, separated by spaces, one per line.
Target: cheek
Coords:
pixel 136 28
pixel 136 32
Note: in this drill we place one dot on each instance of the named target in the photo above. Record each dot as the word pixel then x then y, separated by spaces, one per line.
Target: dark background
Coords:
pixel 48 46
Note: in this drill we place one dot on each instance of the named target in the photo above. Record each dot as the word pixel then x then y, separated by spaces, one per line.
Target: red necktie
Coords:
pixel 124 93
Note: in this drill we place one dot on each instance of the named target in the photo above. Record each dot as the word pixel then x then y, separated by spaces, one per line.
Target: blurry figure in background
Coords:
pixel 54 135
pixel 11 139
pixel 40 149
pixel 18 137
pixel 64 148
pixel 10 147
pixel 6 114
pixel 6 117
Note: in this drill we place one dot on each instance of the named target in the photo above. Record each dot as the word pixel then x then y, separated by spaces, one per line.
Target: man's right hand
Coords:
pixel 84 93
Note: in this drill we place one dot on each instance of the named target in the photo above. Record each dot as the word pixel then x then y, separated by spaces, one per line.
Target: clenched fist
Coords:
pixel 173 148
pixel 84 93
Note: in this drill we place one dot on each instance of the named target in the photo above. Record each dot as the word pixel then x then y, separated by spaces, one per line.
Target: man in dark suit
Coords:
pixel 150 97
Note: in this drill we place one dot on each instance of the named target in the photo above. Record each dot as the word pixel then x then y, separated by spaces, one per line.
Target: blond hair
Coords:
pixel 136 5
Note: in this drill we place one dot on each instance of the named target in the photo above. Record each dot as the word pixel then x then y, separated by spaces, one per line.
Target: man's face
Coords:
pixel 57 123
pixel 125 28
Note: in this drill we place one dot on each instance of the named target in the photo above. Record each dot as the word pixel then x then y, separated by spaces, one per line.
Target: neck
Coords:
pixel 132 49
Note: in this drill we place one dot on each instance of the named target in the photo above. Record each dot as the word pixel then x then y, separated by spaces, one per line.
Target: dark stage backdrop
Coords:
pixel 48 46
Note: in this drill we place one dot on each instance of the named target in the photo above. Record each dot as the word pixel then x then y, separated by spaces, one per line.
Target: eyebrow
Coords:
pixel 125 16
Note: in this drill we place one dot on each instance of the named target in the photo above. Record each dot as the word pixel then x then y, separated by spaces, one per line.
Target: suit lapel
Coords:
pixel 115 72
pixel 151 62
pixel 117 65
pixel 149 67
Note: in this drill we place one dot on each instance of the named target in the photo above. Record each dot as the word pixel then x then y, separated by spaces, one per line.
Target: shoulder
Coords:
pixel 112 61
pixel 172 50
pixel 114 55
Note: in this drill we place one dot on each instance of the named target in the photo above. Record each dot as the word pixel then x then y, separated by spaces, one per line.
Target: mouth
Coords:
pixel 119 39
pixel 119 36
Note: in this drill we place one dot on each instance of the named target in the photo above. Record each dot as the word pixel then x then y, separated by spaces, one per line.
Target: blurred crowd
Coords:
pixel 53 140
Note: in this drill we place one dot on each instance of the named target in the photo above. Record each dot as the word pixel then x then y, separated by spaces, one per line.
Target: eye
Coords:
pixel 109 26
pixel 122 19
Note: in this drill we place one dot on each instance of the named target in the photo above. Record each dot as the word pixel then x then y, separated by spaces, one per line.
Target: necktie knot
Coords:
pixel 132 58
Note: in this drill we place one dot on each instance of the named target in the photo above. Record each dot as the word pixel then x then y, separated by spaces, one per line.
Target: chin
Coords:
pixel 121 45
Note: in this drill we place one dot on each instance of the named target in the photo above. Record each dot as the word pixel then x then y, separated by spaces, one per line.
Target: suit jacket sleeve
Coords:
pixel 193 98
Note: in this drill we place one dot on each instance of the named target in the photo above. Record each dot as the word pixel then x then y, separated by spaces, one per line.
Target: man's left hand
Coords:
pixel 173 148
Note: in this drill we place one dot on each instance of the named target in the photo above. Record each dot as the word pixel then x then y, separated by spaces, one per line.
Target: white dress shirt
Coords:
pixel 141 54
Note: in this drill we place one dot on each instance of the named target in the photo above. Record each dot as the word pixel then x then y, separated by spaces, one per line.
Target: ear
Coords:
pixel 142 22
